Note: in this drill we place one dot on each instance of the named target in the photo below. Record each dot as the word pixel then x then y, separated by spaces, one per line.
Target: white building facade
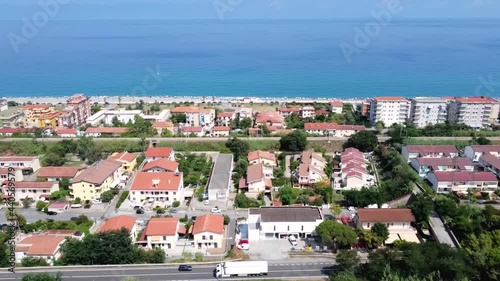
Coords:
pixel 428 111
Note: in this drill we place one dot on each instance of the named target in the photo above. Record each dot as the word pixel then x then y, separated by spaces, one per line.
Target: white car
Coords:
pixel 206 202
pixel 215 210
pixel 292 240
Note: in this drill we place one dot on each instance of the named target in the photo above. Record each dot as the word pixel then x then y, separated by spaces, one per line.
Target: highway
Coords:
pixel 169 272
pixel 215 139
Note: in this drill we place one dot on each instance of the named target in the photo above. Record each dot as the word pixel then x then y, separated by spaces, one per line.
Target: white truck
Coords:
pixel 243 268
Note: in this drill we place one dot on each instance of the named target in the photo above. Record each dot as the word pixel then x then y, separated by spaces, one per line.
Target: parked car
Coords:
pixel 193 218
pixel 206 202
pixel 216 210
pixel 137 207
pixel 292 240
pixel 160 211
pixel 76 205
pixel 87 206
pixel 73 219
pixel 185 267
pixel 172 211
pixel 139 211
pixel 51 213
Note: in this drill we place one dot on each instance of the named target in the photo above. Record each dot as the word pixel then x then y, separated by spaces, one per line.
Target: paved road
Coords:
pixel 439 230
pixel 169 272
pixel 214 139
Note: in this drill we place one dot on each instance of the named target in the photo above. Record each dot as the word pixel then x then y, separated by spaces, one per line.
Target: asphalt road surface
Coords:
pixel 170 272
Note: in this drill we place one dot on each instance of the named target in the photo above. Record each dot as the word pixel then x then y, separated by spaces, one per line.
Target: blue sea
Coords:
pixel 259 58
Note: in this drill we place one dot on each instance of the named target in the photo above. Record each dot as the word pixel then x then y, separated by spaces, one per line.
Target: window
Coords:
pixel 211 237
pixel 203 237
pixel 288 228
pixel 275 228
pixel 302 228
pixel 164 237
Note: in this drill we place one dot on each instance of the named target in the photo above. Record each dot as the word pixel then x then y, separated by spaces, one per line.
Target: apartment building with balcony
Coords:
pixel 33 112
pixel 160 233
pixel 410 152
pixel 26 163
pixel 196 116
pixel 473 111
pixel 307 112
pixel 336 106
pixel 445 182
pixel 96 179
pixel 423 166
pixel 165 187
pixel 474 152
pixel 80 105
pixel 490 163
pixel 428 111
pixel 389 110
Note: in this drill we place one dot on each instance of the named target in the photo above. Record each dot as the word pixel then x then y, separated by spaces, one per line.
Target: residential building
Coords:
pixel 307 112
pixel 96 179
pixel 366 108
pixel 473 111
pixel 16 175
pixel 107 117
pixel 219 131
pixel 287 111
pixel 474 152
pixel 165 187
pixel 426 165
pixel 428 111
pixel 444 182
pixel 160 117
pixel 269 118
pixel 354 174
pixel 389 110
pixel 225 118
pixel 66 133
pixel 309 174
pixel 398 222
pixel 128 160
pixel 32 112
pixel 105 131
pixel 312 158
pixel 4 105
pixel 161 233
pixel 58 207
pixel 162 126
pixel 281 222
pixel 80 105
pixel 332 129
pixel 262 157
pixel 42 245
pixel 246 112
pixel 490 163
pixel 155 153
pixel 336 107
pixel 11 131
pixel 53 173
pixel 410 152
pixel 48 121
pixel 256 181
pixel 208 232
pixel 161 166
pixel 196 131
pixel 12 119
pixel 220 183
pixel 495 111
pixel 67 118
pixel 32 189
pixel 119 222
pixel 26 163
pixel 196 116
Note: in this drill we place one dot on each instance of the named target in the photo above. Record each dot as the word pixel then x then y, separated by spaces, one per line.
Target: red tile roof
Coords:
pixel 209 223
pixel 117 223
pixel 269 116
pixel 17 158
pixel 390 99
pixel 336 103
pixel 192 129
pixel 163 124
pixel 491 160
pixel 36 106
pixel 475 100
pixel 98 173
pixel 40 245
pixel 289 109
pixel 432 149
pixel 123 156
pixel 220 129
pixel 186 109
pixel 170 166
pixel 486 148
pixel 457 162
pixel 162 227
pixel 225 114
pixel 106 130
pixel 65 131
pixel 257 154
pixel 156 181
pixel 332 126
pixel 14 130
pixel 464 176
pixel 58 172
pixel 158 152
pixel 35 184
pixel 255 172
pixel 385 215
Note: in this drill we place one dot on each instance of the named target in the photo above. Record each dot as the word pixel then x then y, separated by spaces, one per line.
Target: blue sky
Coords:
pixel 242 9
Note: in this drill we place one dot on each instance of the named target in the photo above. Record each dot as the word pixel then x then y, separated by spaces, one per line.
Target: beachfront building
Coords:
pixel 48 121
pixel 288 111
pixel 11 119
pixel 105 131
pixel 208 232
pixel 196 116
pixel 67 118
pixel 33 112
pixel 389 110
pixel 26 163
pixel 38 191
pixel 474 152
pixel 155 153
pixel 445 182
pixel 80 105
pixel 307 112
pixel 473 111
pixel 269 118
pixel 410 152
pixel 245 112
pixel 4 105
pixel 332 129
pixel 428 111
pixel 96 179
pixel 162 126
pixel 336 107
pixel 165 187
pixel 225 118
pixel 107 117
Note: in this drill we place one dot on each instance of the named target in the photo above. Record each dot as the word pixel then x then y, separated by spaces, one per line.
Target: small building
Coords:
pixel 220 131
pixel 307 112
pixel 53 173
pixel 128 160
pixel 269 118
pixel 262 157
pixel 5 174
pixel 281 222
pixel 32 189
pixel 162 126
pixel 196 131
pixel 208 231
pixel 160 233
pixel 474 152
pixel 39 246
pixel 161 166
pixel 428 151
pixel 225 118
pixel 119 222
pixel 336 107
pixel 426 165
pixel 445 182
pixel 67 132
pixel 155 153
pixel 490 163
pixel 312 158
pixel 165 187
pixel 9 132
pixel 354 174
pixel 58 207
pixel 246 112
pixel 26 163
pixel 332 129
pixel 288 111
pixel 309 174
pixel 255 181
pixel 96 179
pixel 105 131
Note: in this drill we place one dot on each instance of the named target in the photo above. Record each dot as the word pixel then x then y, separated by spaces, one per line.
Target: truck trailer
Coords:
pixel 244 268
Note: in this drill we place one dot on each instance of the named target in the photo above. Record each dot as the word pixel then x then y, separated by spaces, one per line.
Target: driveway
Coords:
pixel 270 249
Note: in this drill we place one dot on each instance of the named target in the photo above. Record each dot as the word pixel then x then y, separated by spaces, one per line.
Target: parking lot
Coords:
pixel 276 249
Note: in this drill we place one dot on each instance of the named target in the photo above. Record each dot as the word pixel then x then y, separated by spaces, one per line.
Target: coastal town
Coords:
pixel 343 200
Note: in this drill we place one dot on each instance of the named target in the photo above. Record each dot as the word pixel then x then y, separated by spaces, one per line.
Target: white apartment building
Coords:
pixel 307 112
pixel 444 182
pixel 160 233
pixel 474 152
pixel 389 110
pixel 196 116
pixel 473 111
pixel 164 187
pixel 21 162
pixel 428 111
pixel 208 232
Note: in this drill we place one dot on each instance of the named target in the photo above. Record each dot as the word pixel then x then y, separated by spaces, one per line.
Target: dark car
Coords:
pixel 139 211
pixel 185 267
pixel 193 218
pixel 160 211
pixel 73 219
pixel 51 213
pixel 172 211
pixel 86 206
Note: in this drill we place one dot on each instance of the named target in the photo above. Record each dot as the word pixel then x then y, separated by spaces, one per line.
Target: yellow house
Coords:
pixel 96 179
pixel 32 112
pixel 128 160
pixel 48 121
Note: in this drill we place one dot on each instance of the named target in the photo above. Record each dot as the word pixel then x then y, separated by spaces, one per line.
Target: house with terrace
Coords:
pixel 160 233
pixel 208 232
pixel 28 164
pixel 155 153
pixel 128 160
pixel 119 222
pixel 161 166
pixel 474 152
pixel 429 151
pixel 96 179
pixel 462 181
pixel 255 181
pixel 262 157
pixel 37 191
pixel 161 187
pixel 426 165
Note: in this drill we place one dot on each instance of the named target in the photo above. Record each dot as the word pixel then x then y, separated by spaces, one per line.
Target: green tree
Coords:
pixel 336 234
pixel 40 205
pixel 379 126
pixel 335 209
pixel 421 207
pixel 42 277
pixel 33 262
pixel 178 118
pixel 380 230
pixel 52 159
pixel 140 128
pixel 176 204
pixel 347 260
pixel 483 141
pixel 364 141
pixel 130 279
pixel 87 150
pixel 227 219
pixel 27 202
pixel 238 147
pixel 64 184
pixel 95 108
pixel 107 196
pixel 344 276
pixel 294 141
pixel 198 257
pixel 245 123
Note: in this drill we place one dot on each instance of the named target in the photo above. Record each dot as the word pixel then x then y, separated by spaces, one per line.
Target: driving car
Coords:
pixel 139 211
pixel 87 206
pixel 216 210
pixel 185 267
pixel 51 213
